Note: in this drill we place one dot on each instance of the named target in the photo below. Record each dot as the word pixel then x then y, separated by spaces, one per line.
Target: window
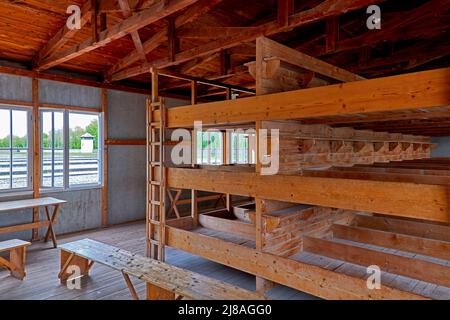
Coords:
pixel 71 152
pixel 15 150
pixel 52 141
pixel 84 151
pixel 210 147
pixel 242 148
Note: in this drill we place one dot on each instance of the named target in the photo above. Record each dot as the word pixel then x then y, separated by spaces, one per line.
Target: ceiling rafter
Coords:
pixel 63 35
pixel 159 10
pixel 192 13
pixel 326 9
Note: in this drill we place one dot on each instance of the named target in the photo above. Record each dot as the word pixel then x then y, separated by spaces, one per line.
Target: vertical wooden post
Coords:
pixel 262 285
pixel 332 34
pixel 173 43
pixel 194 197
pixel 194 206
pixel 105 158
pixel 194 92
pixel 17 258
pixel 36 154
pixel 94 20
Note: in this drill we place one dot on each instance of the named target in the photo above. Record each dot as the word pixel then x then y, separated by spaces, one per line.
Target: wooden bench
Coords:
pixel 47 203
pixel 164 281
pixel 17 254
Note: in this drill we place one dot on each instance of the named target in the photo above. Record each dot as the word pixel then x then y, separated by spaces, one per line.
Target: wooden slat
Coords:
pixel 23 227
pixel 397 241
pixel 421 90
pixel 245 230
pixel 405 266
pixel 307 278
pixel 427 202
pixel 407 227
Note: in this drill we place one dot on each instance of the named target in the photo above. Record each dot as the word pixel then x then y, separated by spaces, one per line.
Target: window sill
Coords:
pixel 80 188
pixel 15 194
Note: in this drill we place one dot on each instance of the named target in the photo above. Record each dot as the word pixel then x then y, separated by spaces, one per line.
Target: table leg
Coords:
pixel 35 232
pixel 52 220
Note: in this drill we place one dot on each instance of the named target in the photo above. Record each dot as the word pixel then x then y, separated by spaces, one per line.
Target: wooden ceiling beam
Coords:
pixel 326 9
pixel 294 57
pixel 391 30
pixel 63 35
pixel 159 10
pixel 192 13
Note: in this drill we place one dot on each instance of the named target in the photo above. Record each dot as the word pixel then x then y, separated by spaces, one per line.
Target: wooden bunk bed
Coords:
pixel 315 230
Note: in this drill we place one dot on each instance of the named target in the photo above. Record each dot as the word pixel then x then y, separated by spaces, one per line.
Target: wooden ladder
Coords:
pixel 156 188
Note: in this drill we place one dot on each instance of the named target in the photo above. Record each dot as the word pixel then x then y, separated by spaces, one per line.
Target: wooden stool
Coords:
pixel 17 253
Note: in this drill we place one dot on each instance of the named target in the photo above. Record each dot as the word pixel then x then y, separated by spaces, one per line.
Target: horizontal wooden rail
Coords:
pixel 421 90
pixel 117 142
pixel 421 201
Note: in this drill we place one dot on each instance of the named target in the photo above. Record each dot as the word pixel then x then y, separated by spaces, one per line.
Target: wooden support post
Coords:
pixel 157 293
pixel 68 260
pixel 105 158
pixel 103 21
pixel 130 286
pixel 285 8
pixel 173 42
pixel 194 206
pixel 332 34
pixel 36 154
pixel 17 258
pixel 194 92
pixel 94 20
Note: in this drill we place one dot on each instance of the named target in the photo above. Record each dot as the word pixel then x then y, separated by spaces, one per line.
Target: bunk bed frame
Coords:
pixel 412 216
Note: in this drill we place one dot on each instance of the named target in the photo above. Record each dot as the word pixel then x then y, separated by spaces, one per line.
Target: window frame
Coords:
pixel 66 154
pixel 199 145
pixel 30 150
pixel 235 152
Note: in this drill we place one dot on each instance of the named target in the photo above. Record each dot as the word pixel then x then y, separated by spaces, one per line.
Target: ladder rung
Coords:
pixel 155 163
pixel 155 183
pixel 155 143
pixel 156 203
pixel 154 222
pixel 155 124
pixel 153 241
pixel 155 104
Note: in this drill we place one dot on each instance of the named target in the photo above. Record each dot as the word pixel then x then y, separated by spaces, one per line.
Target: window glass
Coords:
pixel 52 149
pixel 84 151
pixel 210 147
pixel 14 149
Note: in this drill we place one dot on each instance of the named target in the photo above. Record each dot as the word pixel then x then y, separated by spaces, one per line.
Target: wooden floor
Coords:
pixel 105 284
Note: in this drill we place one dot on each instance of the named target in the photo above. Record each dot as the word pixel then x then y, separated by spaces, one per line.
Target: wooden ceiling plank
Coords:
pixel 63 35
pixel 157 11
